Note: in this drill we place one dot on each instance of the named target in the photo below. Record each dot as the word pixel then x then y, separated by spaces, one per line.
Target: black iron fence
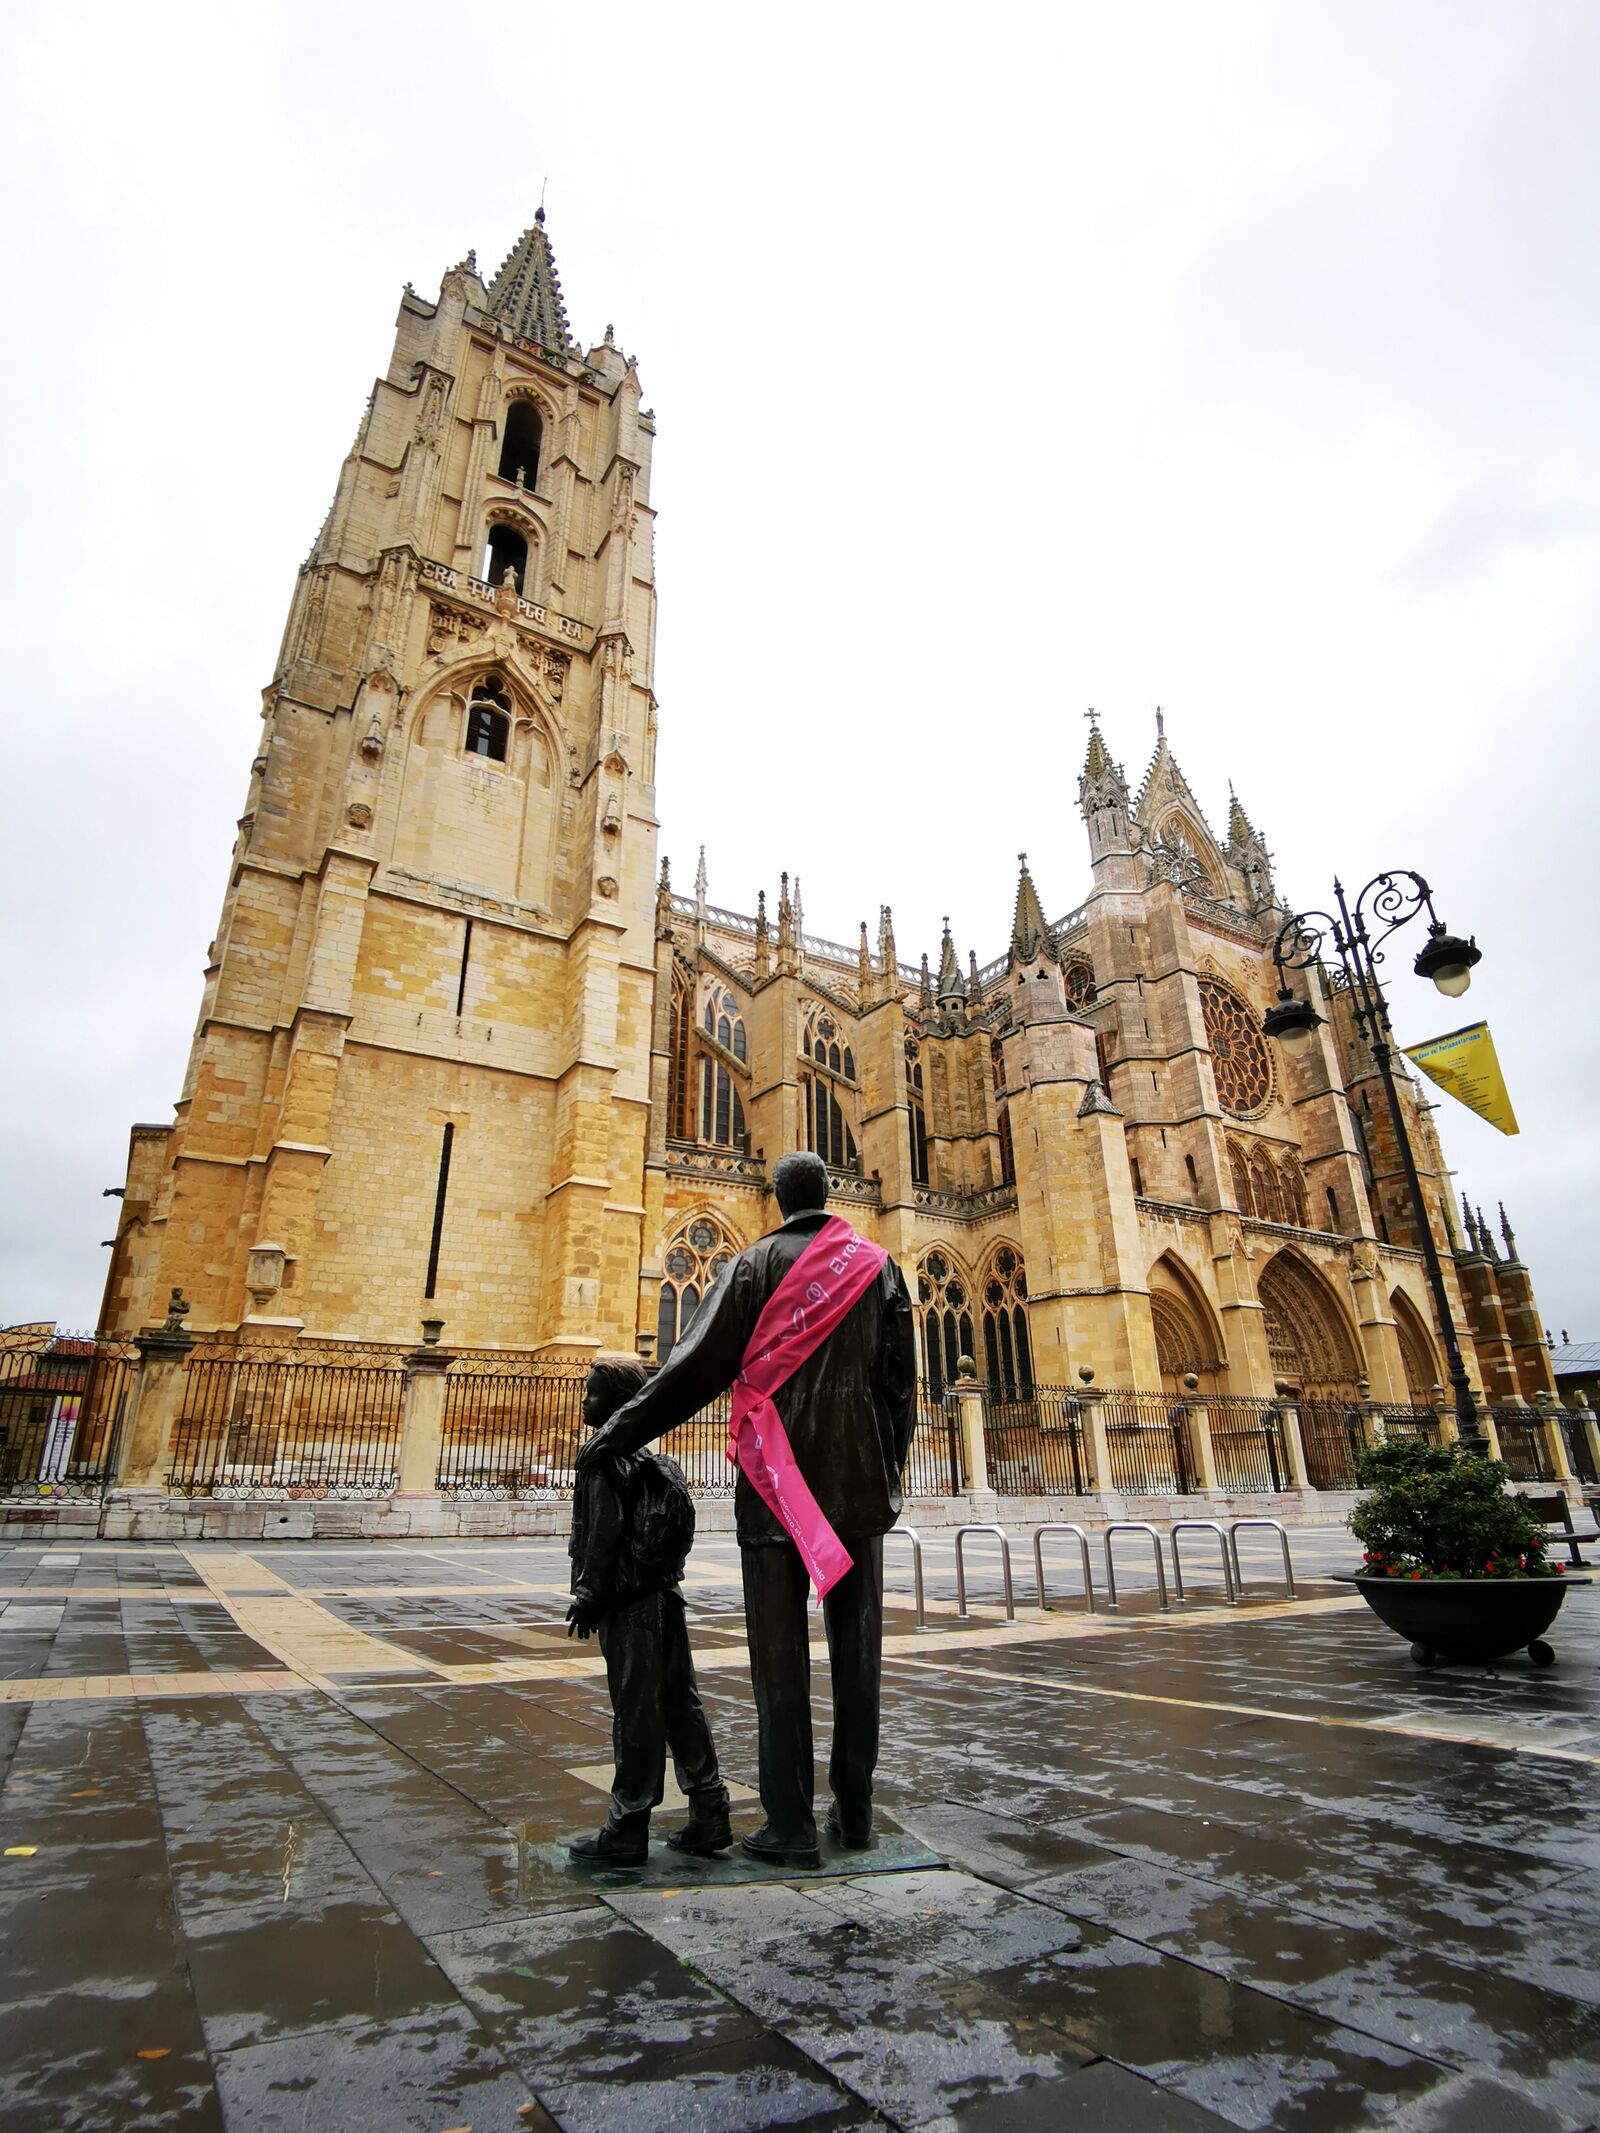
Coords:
pixel 1580 1452
pixel 1247 1447
pixel 1148 1445
pixel 315 1423
pixel 1333 1434
pixel 511 1427
pixel 933 1466
pixel 1421 1422
pixel 1037 1445
pixel 64 1399
pixel 1522 1444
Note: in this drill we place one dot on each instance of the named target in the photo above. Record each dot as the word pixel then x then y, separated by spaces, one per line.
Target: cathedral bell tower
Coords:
pixel 419 1083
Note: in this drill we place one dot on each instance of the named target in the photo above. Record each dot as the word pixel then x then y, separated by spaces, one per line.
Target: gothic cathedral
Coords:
pixel 463 1054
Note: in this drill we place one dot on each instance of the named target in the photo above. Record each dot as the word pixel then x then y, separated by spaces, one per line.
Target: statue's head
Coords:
pixel 801 1183
pixel 613 1381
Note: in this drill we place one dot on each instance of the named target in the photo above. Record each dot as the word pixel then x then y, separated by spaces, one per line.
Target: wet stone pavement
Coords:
pixel 281 1834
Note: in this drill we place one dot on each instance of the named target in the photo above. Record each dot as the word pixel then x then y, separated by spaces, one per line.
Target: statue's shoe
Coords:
pixel 850 1836
pixel 703 1834
pixel 772 1850
pixel 607 1848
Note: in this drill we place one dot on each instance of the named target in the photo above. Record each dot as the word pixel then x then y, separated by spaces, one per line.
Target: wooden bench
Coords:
pixel 1555 1513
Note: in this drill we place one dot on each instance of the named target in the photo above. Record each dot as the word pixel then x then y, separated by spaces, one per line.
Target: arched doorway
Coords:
pixel 1186 1335
pixel 1306 1337
pixel 1416 1350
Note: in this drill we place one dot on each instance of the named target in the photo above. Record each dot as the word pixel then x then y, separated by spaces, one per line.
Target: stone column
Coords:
pixel 1294 1447
pixel 157 1403
pixel 1555 1437
pixel 1195 1421
pixel 1094 1429
pixel 422 1421
pixel 969 1402
pixel 1589 1426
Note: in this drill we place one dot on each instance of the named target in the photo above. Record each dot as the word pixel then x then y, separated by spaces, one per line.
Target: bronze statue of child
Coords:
pixel 632 1527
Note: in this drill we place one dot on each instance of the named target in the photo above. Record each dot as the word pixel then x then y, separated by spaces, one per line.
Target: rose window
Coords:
pixel 1239 1057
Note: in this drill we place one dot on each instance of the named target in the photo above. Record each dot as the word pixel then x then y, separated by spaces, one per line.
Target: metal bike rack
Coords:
pixel 1005 1566
pixel 1272 1525
pixel 1135 1525
pixel 1039 1533
pixel 1202 1525
pixel 909 1533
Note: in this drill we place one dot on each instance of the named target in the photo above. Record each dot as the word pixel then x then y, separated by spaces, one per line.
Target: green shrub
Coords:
pixel 1436 1512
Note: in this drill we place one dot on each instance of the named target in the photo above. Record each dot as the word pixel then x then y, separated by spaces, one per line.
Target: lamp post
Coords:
pixel 1358 932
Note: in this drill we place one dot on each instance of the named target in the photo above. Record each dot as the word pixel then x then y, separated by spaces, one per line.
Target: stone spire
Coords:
pixel 952 986
pixel 888 961
pixel 526 293
pixel 1486 1238
pixel 786 954
pixel 664 903
pixel 974 990
pixel 763 940
pixel 1103 798
pixel 1247 850
pixel 799 927
pixel 1031 938
pixel 864 967
pixel 1509 1234
pixel 700 899
pixel 925 995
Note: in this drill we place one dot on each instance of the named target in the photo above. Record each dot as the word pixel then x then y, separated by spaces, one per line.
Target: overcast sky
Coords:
pixel 1233 357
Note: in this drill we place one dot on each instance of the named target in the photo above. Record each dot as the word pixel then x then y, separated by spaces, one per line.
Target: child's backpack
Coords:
pixel 663 1516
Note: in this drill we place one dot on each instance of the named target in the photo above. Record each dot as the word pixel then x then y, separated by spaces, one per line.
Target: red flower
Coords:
pixel 1416 1573
pixel 1560 1569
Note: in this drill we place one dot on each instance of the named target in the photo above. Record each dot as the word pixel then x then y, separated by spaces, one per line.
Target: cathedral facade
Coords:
pixel 465 1054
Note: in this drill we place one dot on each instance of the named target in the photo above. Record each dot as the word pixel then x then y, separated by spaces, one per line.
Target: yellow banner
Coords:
pixel 1464 1065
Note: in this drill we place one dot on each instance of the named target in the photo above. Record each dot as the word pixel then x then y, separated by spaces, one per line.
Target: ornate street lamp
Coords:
pixel 1390 901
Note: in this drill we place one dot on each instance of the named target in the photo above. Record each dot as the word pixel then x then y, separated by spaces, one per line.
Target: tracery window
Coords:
pixel 678 1117
pixel 827 1129
pixel 1077 981
pixel 1002 1112
pixel 944 1309
pixel 489 719
pixel 823 1043
pixel 1239 1056
pixel 721 1108
pixel 916 1113
pixel 700 1253
pixel 1006 1348
pixel 827 1134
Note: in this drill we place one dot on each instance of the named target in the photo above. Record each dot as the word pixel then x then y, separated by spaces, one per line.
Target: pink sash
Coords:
pixel 831 1275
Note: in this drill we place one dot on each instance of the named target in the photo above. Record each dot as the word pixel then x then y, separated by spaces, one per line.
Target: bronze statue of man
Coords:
pixel 846 1412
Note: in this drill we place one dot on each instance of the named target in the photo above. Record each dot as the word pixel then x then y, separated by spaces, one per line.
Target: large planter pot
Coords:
pixel 1466 1618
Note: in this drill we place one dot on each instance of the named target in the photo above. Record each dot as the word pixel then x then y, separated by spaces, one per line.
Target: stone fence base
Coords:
pixel 140 1514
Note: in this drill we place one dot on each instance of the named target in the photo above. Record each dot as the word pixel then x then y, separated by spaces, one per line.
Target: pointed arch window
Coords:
pixel 678 1116
pixel 489 719
pixel 699 1255
pixel 722 1122
pixel 520 444
pixel 1002 1112
pixel 828 1129
pixel 1007 1351
pixel 916 1113
pixel 944 1308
